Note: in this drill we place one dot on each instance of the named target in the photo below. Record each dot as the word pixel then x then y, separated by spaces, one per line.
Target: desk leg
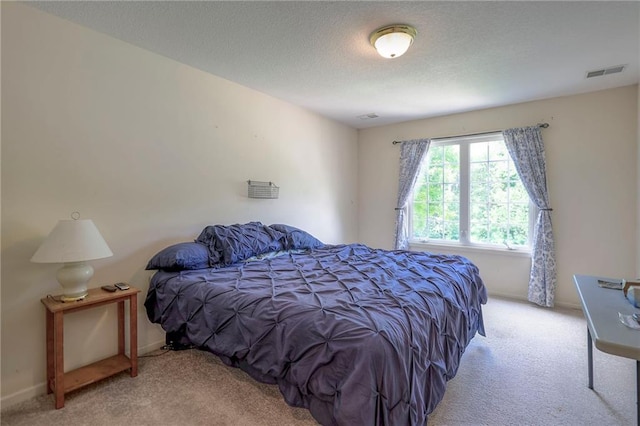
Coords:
pixel 638 391
pixel 590 358
pixel 58 362
pixel 133 333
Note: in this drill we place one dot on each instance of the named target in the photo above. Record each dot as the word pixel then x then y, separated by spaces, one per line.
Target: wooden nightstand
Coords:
pixel 60 382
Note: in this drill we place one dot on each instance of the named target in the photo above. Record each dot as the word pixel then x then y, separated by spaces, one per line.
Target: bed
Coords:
pixel 359 336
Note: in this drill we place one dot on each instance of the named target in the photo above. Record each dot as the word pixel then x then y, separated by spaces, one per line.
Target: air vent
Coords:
pixel 368 116
pixel 595 73
pixel 614 70
pixel 605 71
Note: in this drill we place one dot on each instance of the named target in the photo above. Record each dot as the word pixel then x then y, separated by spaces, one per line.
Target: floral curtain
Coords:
pixel 411 154
pixel 527 151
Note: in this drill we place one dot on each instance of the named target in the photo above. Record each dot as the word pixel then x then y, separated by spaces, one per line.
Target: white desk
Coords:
pixel 601 307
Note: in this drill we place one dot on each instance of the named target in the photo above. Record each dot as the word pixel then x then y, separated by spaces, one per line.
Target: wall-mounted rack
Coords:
pixel 264 190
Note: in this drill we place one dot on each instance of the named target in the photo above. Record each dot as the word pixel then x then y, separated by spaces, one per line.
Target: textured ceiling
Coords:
pixel 466 56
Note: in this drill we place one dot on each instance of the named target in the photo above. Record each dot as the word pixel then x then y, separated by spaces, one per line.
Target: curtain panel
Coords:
pixel 412 153
pixel 527 151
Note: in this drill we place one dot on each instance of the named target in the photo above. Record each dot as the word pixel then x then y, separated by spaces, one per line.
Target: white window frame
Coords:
pixel 465 165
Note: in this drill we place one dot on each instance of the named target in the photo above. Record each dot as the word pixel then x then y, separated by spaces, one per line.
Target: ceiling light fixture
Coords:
pixel 392 41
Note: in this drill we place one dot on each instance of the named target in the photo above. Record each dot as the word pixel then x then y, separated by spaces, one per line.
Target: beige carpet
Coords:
pixel 531 369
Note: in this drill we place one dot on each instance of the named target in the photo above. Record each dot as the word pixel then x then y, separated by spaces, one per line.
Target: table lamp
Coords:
pixel 73 242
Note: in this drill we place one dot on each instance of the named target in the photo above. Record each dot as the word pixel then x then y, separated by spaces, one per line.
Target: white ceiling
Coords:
pixel 466 56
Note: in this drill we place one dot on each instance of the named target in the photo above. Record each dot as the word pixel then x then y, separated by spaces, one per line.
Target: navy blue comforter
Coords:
pixel 358 336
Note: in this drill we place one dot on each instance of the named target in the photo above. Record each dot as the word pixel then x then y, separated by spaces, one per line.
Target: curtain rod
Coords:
pixel 541 125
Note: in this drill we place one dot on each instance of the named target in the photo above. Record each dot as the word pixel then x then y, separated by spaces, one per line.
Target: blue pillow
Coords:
pixel 208 239
pixel 297 238
pixel 181 256
pixel 241 241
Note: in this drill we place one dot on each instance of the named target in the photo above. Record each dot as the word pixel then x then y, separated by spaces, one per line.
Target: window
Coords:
pixel 469 192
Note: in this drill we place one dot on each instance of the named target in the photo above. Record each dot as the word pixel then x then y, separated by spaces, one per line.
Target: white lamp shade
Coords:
pixel 393 45
pixel 72 241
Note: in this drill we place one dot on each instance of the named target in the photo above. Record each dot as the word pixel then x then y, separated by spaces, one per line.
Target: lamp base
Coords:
pixel 73 277
pixel 64 298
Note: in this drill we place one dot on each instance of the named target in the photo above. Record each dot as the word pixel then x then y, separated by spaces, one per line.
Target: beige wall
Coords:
pixel 591 151
pixel 152 151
